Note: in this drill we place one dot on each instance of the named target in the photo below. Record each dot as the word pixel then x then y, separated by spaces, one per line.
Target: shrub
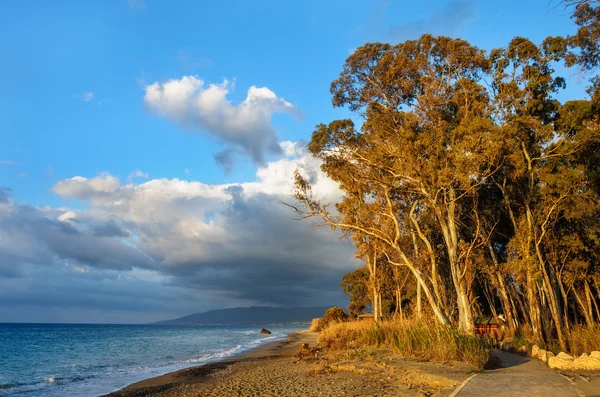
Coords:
pixel 332 315
pixel 410 338
pixel 335 314
pixel 317 325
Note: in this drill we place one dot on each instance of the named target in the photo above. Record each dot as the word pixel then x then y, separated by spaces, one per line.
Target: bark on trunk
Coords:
pixel 553 299
pixel 399 304
pixel 446 218
pixel 439 313
pixel 502 289
pixel 419 310
pixel 535 319
pixel 566 300
pixel 588 296
pixel 582 306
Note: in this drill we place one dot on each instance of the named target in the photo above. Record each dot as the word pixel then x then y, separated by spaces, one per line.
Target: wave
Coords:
pixel 42 383
pixel 237 349
pixel 221 354
pixel 9 389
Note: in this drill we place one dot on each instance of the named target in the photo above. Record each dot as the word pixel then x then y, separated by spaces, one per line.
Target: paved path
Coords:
pixel 520 376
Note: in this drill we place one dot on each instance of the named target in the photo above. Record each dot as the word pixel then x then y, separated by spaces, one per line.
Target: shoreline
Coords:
pixel 280 369
pixel 197 374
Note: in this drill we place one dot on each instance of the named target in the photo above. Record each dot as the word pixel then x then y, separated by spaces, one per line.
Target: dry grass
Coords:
pixel 580 339
pixel 583 339
pixel 409 338
pixel 317 325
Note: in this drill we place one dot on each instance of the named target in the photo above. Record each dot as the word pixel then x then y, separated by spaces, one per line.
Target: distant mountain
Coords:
pixel 250 315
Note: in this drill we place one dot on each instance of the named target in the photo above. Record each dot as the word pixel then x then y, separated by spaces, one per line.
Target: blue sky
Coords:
pixel 55 53
pixel 112 206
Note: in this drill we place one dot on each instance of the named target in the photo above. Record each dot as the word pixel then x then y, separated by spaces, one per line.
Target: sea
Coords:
pixel 90 360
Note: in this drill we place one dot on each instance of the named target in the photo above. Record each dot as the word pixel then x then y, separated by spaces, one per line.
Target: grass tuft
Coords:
pixel 317 325
pixel 410 338
pixel 583 338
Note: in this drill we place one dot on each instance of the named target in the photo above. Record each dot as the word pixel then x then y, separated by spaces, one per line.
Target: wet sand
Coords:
pixel 277 369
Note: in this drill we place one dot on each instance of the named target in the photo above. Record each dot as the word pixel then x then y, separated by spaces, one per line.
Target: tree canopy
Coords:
pixel 470 178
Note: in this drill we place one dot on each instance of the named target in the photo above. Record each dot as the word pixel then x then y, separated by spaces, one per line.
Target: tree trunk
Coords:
pixel 566 305
pixel 375 307
pixel 399 303
pixel 419 300
pixel 486 287
pixel 464 311
pixel 449 232
pixel 439 313
pixel 513 308
pixel 553 299
pixel 502 289
pixel 595 304
pixel 534 307
pixel 588 296
pixel 582 305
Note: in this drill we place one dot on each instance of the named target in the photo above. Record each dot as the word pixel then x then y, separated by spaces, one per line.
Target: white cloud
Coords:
pixel 137 174
pixel 82 188
pixel 291 149
pixel 186 171
pixel 67 216
pixel 7 162
pixel 245 127
pixel 21 175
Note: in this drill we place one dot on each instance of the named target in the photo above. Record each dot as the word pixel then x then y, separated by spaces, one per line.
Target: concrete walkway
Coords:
pixel 520 376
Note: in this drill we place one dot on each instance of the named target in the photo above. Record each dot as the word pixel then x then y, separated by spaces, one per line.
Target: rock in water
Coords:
pixel 265 331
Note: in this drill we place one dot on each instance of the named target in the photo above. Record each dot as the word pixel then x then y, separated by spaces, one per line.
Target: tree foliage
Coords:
pixel 469 178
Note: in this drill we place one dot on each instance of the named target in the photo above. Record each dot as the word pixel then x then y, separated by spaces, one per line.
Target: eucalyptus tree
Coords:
pixel 426 147
pixel 469 173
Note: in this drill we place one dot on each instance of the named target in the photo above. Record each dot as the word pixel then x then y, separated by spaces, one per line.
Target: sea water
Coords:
pixel 90 360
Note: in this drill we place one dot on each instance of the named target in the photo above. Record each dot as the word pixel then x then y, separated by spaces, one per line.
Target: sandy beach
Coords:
pixel 277 369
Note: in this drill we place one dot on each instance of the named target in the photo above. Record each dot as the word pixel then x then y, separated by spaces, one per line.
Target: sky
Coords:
pixel 145 146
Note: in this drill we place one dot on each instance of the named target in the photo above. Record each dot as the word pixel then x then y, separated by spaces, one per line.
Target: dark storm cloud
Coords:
pixel 301 284
pixel 225 159
pixel 109 228
pixel 275 260
pixel 32 236
pixel 445 21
